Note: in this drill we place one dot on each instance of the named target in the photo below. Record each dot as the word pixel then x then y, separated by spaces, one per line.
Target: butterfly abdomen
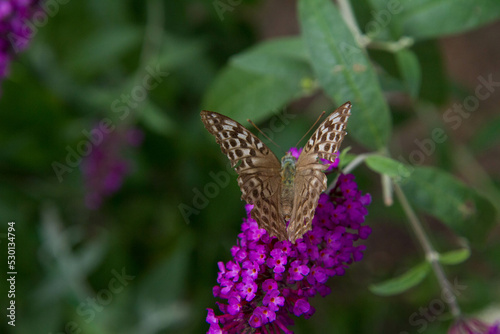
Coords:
pixel 288 163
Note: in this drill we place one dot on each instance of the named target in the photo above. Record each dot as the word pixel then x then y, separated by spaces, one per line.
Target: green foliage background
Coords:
pixel 89 53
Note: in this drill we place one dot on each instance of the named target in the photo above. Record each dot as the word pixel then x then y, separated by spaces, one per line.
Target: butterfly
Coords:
pixel 286 191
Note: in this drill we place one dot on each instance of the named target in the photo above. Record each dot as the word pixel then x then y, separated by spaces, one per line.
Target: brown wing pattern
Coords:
pixel 258 169
pixel 310 181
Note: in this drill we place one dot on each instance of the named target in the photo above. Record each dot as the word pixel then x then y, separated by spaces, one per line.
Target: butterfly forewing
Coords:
pixel 310 181
pixel 326 140
pixel 257 167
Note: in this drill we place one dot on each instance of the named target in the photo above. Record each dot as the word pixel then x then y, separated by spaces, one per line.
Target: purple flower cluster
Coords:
pixel 269 280
pixel 473 326
pixel 14 32
pixel 105 167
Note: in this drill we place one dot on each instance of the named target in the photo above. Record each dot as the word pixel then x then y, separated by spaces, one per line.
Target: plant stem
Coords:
pixel 350 20
pixel 430 253
pixel 364 40
pixel 386 189
pixel 391 46
pixel 353 164
pixel 356 161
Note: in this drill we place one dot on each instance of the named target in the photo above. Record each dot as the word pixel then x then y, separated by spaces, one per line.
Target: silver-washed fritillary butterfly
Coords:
pixel 280 192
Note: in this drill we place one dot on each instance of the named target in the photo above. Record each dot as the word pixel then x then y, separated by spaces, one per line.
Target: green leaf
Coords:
pixel 410 71
pixel 443 196
pixel 291 47
pixel 344 71
pixel 281 58
pixel 423 19
pixel 454 257
pixel 239 93
pixel 261 80
pixel 402 283
pixel 384 165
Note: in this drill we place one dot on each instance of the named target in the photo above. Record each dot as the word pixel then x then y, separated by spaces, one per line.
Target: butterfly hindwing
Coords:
pixel 309 184
pixel 257 167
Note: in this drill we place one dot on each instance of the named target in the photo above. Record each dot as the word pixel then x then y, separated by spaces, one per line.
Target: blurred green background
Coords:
pixel 90 54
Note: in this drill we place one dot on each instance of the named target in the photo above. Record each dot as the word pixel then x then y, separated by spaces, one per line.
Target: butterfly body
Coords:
pixel 288 163
pixel 280 192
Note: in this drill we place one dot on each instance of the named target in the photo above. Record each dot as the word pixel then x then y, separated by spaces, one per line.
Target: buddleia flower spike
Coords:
pixel 269 282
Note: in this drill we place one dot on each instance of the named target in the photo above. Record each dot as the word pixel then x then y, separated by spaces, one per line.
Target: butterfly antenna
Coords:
pixel 255 126
pixel 322 114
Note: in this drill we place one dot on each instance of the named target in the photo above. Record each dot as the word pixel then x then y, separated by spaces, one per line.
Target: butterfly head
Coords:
pixel 288 160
